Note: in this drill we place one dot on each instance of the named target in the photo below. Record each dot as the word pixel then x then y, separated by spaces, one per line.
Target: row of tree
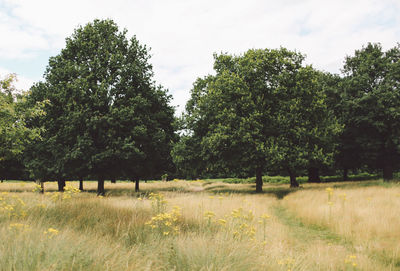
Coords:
pixel 265 111
pixel 98 114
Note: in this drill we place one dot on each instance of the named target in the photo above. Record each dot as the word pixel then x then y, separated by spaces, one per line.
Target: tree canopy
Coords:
pixel 262 109
pixel 371 106
pixel 105 118
pixel 99 114
pixel 14 113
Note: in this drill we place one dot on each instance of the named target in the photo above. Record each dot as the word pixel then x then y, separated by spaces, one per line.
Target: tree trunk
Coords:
pixel 61 185
pixel 113 181
pixel 100 187
pixel 136 185
pixel 387 172
pixel 293 181
pixel 345 174
pixel 41 187
pixel 259 181
pixel 313 175
pixel 81 184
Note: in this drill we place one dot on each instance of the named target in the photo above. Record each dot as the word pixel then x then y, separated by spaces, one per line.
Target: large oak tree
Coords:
pixel 261 110
pixel 106 118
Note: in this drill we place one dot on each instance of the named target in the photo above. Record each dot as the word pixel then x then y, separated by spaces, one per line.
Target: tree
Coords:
pixel 186 155
pixel 372 106
pixel 348 150
pixel 14 132
pixel 106 117
pixel 307 127
pixel 261 109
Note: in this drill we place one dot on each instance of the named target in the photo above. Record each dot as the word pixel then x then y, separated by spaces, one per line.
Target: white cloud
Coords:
pixel 184 34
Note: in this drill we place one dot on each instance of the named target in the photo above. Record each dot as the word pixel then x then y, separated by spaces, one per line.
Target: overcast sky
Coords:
pixel 184 34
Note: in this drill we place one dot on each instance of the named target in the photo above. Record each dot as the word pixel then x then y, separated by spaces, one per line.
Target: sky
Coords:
pixel 184 34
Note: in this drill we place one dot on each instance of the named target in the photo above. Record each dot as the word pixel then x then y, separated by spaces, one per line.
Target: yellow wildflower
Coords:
pixel 209 214
pixel 222 221
pixel 51 232
pixel 265 216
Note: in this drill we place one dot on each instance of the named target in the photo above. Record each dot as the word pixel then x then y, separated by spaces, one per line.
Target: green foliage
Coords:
pixel 262 109
pixel 15 133
pixel 14 112
pixel 371 105
pixel 106 117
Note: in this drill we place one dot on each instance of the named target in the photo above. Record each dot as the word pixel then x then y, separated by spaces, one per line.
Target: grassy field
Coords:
pixel 201 225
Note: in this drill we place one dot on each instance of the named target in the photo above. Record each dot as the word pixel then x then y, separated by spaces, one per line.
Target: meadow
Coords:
pixel 201 225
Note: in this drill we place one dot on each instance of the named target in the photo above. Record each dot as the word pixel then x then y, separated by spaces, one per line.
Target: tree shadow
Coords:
pixel 282 190
pixel 278 192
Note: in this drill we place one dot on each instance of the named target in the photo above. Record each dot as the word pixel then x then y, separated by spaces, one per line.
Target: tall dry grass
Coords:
pixel 167 226
pixel 368 217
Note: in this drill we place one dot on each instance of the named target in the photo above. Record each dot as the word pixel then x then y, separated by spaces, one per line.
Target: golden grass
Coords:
pixel 369 216
pixel 218 227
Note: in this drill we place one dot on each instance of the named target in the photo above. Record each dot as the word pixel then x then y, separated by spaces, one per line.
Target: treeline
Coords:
pixel 264 111
pixel 99 115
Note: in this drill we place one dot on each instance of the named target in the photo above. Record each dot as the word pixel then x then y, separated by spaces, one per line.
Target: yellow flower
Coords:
pixel 166 233
pixel 243 226
pixel 265 216
pixel 51 232
pixel 222 221
pixel 209 214
pixel 66 196
pixel 237 213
